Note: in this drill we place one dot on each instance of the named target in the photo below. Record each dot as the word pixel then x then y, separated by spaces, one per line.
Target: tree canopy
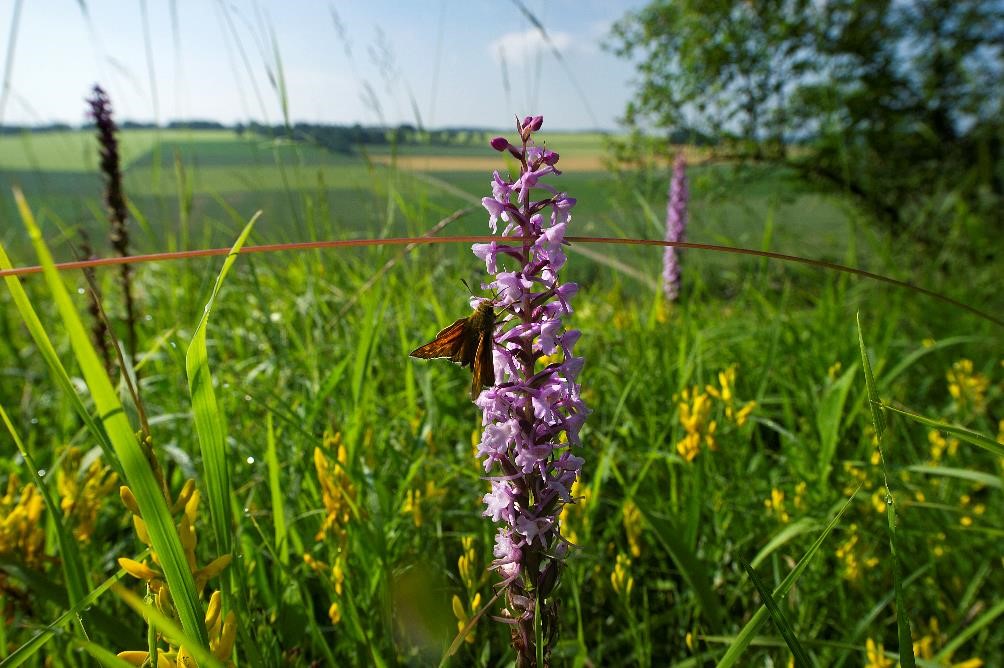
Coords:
pixel 891 101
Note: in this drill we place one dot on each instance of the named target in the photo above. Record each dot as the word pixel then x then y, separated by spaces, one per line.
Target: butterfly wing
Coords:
pixel 484 364
pixel 448 343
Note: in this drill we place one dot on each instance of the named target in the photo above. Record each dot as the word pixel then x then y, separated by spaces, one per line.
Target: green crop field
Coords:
pixel 731 427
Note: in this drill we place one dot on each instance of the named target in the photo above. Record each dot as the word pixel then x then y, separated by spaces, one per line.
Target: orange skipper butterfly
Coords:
pixel 467 342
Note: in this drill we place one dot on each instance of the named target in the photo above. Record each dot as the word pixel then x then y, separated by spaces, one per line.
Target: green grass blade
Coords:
pixel 747 633
pixel 210 422
pixel 906 657
pixel 102 655
pixel 790 531
pixel 985 479
pixel 168 627
pixel 978 624
pixel 780 621
pixel 37 641
pixel 967 435
pixel 877 418
pixel 691 568
pixel 905 637
pixel 829 417
pixel 275 492
pixel 138 472
pixel 73 565
pixel 56 368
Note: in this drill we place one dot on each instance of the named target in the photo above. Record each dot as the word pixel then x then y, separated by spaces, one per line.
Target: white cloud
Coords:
pixel 522 48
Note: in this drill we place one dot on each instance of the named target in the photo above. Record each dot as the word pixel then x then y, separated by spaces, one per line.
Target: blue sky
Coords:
pixel 446 55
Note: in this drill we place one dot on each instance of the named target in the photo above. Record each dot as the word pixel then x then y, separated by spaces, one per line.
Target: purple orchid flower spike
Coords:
pixel 676 227
pixel 533 413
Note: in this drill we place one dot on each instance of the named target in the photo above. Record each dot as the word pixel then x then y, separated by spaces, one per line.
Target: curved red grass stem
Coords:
pixel 401 241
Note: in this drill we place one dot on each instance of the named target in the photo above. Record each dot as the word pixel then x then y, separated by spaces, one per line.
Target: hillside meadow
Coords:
pixel 350 474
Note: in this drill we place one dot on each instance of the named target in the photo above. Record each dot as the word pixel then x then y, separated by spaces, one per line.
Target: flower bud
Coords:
pixel 500 143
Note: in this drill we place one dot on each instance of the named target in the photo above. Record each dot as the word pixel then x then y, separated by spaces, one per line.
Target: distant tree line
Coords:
pixel 346 138
pixel 335 138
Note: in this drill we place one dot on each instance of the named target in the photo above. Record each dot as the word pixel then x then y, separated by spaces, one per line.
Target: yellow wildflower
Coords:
pixel 726 395
pixel 467 563
pixel 775 505
pixel 833 371
pixel 875 655
pixel 22 531
pixel 335 612
pixel 463 616
pixel 337 491
pixel 632 527
pixel 852 557
pixel 879 500
pixel 967 387
pixel 801 489
pixel 82 492
pixel 580 493
pixel 969 663
pixel 415 499
pixel 695 418
pixel 940 445
pixel 621 578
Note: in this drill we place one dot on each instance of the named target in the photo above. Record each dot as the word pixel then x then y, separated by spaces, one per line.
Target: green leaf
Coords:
pixel 780 621
pixel 210 422
pixel 37 641
pixel 877 418
pixel 906 657
pixel 748 632
pixel 985 479
pixel 978 624
pixel 138 472
pixel 275 492
pixel 789 532
pixel 829 417
pixel 967 435
pixel 56 368
pixel 690 567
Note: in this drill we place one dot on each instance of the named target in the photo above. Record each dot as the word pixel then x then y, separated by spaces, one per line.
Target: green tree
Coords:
pixel 898 103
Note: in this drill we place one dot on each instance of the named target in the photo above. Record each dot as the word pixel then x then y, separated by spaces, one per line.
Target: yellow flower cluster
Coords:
pixel 940 445
pixel 875 655
pixel 695 406
pixel 621 578
pixel 577 511
pixel 469 575
pixel 22 533
pixel 336 576
pixel 338 494
pixel 932 638
pixel 222 629
pixel 851 556
pixel 222 634
pixel 82 492
pixel 969 509
pixel 416 499
pixel 724 393
pixel 695 418
pixel 632 527
pixel 775 505
pixel 967 387
pixel 337 491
